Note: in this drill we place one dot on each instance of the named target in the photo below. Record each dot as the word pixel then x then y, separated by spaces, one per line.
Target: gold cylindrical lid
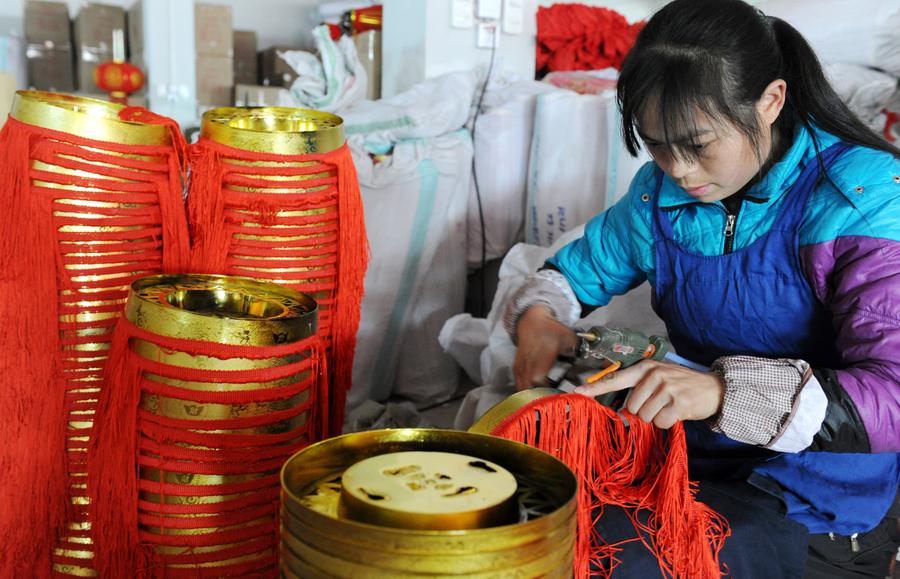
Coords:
pixel 429 490
pixel 85 117
pixel 279 130
pixel 222 309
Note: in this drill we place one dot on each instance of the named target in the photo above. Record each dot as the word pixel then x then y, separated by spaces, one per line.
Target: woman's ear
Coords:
pixel 772 101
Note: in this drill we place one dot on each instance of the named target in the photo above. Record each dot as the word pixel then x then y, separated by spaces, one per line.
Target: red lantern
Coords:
pixel 119 79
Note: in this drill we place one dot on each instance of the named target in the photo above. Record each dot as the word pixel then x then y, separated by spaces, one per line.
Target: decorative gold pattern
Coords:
pixel 428 490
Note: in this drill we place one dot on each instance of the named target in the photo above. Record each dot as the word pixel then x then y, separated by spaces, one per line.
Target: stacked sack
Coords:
pixel 859 46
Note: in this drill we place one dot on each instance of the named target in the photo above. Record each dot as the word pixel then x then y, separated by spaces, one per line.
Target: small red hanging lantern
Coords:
pixel 119 79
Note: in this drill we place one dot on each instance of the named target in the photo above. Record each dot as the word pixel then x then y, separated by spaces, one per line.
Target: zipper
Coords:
pixel 730 226
pixel 730 222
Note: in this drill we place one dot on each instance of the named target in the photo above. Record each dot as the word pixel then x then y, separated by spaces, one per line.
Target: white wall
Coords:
pixel 632 10
pixel 420 43
pixel 451 49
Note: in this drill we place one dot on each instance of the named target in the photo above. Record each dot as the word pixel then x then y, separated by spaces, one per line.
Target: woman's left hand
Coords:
pixel 663 393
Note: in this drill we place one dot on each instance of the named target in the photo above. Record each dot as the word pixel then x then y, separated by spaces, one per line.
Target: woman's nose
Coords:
pixel 680 166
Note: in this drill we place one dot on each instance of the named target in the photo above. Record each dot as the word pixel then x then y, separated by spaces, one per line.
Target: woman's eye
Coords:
pixel 699 147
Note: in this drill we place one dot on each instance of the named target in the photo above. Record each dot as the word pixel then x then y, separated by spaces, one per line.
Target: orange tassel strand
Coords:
pixel 623 461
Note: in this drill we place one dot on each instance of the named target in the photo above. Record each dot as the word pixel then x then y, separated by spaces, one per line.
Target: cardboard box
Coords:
pixel 86 62
pixel 213 32
pixel 136 28
pixel 47 23
pixel 252 95
pixel 50 68
pixel 368 47
pixel 244 45
pixel 245 71
pixel 273 70
pixel 95 24
pixel 215 80
pixel 94 28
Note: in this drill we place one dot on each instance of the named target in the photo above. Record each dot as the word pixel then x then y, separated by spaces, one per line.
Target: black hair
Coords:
pixel 718 56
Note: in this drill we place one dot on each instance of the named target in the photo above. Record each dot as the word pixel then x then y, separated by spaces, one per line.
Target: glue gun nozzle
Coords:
pixel 587 336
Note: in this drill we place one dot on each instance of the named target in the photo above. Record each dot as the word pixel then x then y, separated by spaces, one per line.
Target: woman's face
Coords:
pixel 725 160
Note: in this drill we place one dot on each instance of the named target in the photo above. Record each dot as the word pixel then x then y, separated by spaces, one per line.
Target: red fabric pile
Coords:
pixel 579 37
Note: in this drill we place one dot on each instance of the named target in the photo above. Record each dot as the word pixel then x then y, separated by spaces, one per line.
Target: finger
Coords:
pixel 667 417
pixel 657 401
pixel 519 373
pixel 646 386
pixel 618 380
pixel 530 371
pixel 526 378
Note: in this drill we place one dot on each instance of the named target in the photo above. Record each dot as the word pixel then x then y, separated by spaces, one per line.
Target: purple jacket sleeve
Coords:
pixel 858 280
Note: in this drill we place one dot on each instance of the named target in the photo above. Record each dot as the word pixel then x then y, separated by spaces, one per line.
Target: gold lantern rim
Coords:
pixel 279 130
pixel 499 412
pixel 223 309
pixel 85 117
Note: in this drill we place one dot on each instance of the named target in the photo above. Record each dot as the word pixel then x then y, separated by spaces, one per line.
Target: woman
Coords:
pixel 768 225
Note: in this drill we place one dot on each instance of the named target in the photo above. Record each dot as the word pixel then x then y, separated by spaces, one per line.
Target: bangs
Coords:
pixel 670 88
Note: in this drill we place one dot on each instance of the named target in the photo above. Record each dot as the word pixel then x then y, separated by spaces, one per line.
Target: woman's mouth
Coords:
pixel 697 191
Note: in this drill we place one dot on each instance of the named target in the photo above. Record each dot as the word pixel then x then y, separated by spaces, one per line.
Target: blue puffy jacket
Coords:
pixel 850 253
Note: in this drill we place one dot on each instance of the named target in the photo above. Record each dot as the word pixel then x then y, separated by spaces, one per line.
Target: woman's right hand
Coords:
pixel 540 339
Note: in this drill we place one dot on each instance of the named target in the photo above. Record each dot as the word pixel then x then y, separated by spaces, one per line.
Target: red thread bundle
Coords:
pixel 579 37
pixel 638 467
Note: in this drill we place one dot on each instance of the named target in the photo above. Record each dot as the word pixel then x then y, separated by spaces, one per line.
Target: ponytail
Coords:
pixel 811 96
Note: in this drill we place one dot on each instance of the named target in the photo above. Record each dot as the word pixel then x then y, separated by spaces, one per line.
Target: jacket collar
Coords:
pixel 778 181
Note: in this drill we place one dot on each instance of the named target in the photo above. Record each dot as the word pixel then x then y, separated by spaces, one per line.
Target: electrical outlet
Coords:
pixel 462 13
pixel 489 9
pixel 488 34
pixel 513 16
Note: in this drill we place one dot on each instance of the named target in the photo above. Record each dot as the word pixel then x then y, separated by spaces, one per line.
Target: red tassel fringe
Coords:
pixel 221 214
pixel 57 260
pixel 34 493
pixel 638 467
pixel 42 384
pixel 128 529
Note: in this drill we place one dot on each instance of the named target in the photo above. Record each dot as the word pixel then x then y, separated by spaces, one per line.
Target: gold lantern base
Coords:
pixel 322 538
